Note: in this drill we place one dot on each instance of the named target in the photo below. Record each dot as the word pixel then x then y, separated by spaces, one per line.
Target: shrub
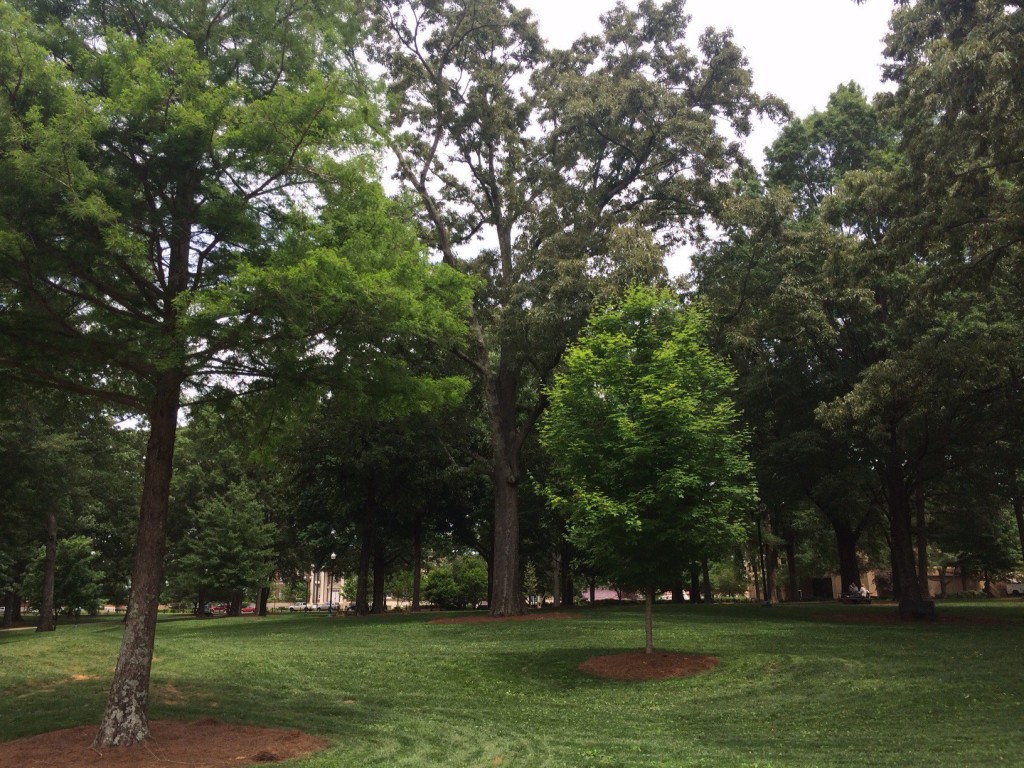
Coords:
pixel 458 584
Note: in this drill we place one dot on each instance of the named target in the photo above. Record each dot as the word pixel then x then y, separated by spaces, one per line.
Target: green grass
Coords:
pixel 791 690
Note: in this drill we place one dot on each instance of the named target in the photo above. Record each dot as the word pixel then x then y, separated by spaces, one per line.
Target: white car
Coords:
pixel 1014 588
pixel 301 606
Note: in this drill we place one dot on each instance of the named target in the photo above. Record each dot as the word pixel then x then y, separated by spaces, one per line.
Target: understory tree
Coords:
pixel 650 464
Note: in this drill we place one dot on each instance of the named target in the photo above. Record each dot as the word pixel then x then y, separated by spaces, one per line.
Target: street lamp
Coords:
pixel 330 589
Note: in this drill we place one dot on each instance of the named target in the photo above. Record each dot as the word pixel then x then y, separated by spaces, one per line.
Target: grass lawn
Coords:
pixel 797 686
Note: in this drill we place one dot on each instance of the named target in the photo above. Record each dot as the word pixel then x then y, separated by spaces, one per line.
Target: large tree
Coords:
pixel 160 157
pixel 650 463
pixel 537 170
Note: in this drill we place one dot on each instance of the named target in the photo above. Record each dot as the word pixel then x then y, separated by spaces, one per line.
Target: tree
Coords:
pixel 650 464
pixel 539 172
pixel 164 162
pixel 78 580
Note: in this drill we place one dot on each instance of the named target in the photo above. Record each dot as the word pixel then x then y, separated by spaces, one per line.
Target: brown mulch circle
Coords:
pixel 485 619
pixel 204 743
pixel 637 665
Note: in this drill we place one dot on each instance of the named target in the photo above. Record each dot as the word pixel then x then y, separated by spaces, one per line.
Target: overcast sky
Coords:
pixel 799 50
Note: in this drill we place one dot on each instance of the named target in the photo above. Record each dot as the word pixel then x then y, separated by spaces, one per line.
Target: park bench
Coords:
pixel 856 599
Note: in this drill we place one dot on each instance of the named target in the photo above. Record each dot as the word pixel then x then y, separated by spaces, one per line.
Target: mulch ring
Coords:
pixel 204 743
pixel 637 665
pixel 485 619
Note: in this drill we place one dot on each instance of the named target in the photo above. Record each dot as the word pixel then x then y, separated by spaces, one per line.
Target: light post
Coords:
pixel 330 588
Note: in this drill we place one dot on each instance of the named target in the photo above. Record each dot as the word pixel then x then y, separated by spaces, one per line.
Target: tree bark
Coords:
pixel 921 530
pixel 846 546
pixel 363 577
pixel 201 603
pixel 9 606
pixel 649 621
pixel 417 562
pixel 706 577
pixel 771 569
pixel 792 584
pixel 898 502
pixel 380 573
pixel 556 577
pixel 47 617
pixel 677 591
pixel 261 606
pixel 1017 500
pixel 695 596
pixel 125 721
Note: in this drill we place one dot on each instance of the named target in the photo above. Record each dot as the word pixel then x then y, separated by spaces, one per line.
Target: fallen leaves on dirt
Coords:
pixel 206 743
pixel 660 665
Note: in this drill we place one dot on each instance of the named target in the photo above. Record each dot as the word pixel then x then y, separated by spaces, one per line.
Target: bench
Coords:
pixel 856 599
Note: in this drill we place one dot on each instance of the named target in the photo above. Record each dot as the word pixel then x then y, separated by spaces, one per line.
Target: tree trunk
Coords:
pixel 556 578
pixel 706 576
pixel 922 543
pixel 380 573
pixel 677 591
pixel 201 603
pixel 901 532
pixel 568 593
pixel 771 569
pixel 792 584
pixel 9 605
pixel 47 617
pixel 649 621
pixel 363 577
pixel 695 596
pixel 1017 500
pixel 235 609
pixel 417 562
pixel 502 394
pixel 942 580
pixel 261 605
pixel 593 591
pixel 846 545
pixel 125 721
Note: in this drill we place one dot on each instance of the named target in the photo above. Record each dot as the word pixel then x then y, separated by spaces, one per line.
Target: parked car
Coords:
pixel 216 608
pixel 1014 587
pixel 301 606
pixel 248 609
pixel 328 607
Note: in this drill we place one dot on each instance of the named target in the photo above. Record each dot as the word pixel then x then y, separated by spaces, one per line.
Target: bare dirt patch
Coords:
pixel 486 619
pixel 637 665
pixel 205 743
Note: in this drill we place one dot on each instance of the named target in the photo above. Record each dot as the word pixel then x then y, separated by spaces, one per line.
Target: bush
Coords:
pixel 462 583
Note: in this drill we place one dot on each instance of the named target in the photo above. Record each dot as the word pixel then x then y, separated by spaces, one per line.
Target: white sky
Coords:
pixel 800 50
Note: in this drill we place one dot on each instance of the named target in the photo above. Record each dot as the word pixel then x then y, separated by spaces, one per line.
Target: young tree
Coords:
pixel 649 462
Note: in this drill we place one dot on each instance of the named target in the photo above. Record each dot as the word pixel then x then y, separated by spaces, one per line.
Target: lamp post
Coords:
pixel 330 588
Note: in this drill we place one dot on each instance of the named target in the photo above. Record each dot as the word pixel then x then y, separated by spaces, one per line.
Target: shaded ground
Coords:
pixel 483 619
pixel 638 665
pixel 889 615
pixel 202 744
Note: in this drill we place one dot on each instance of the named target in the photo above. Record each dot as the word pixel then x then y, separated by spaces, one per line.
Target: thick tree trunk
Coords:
pixel 47 617
pixel 677 591
pixel 709 596
pixel 649 621
pixel 593 591
pixel 417 562
pixel 695 596
pixel 125 721
pixel 235 609
pixel 942 580
pixel 846 546
pixel 901 528
pixel 9 608
pixel 556 578
pixel 201 602
pixel 502 393
pixel 261 605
